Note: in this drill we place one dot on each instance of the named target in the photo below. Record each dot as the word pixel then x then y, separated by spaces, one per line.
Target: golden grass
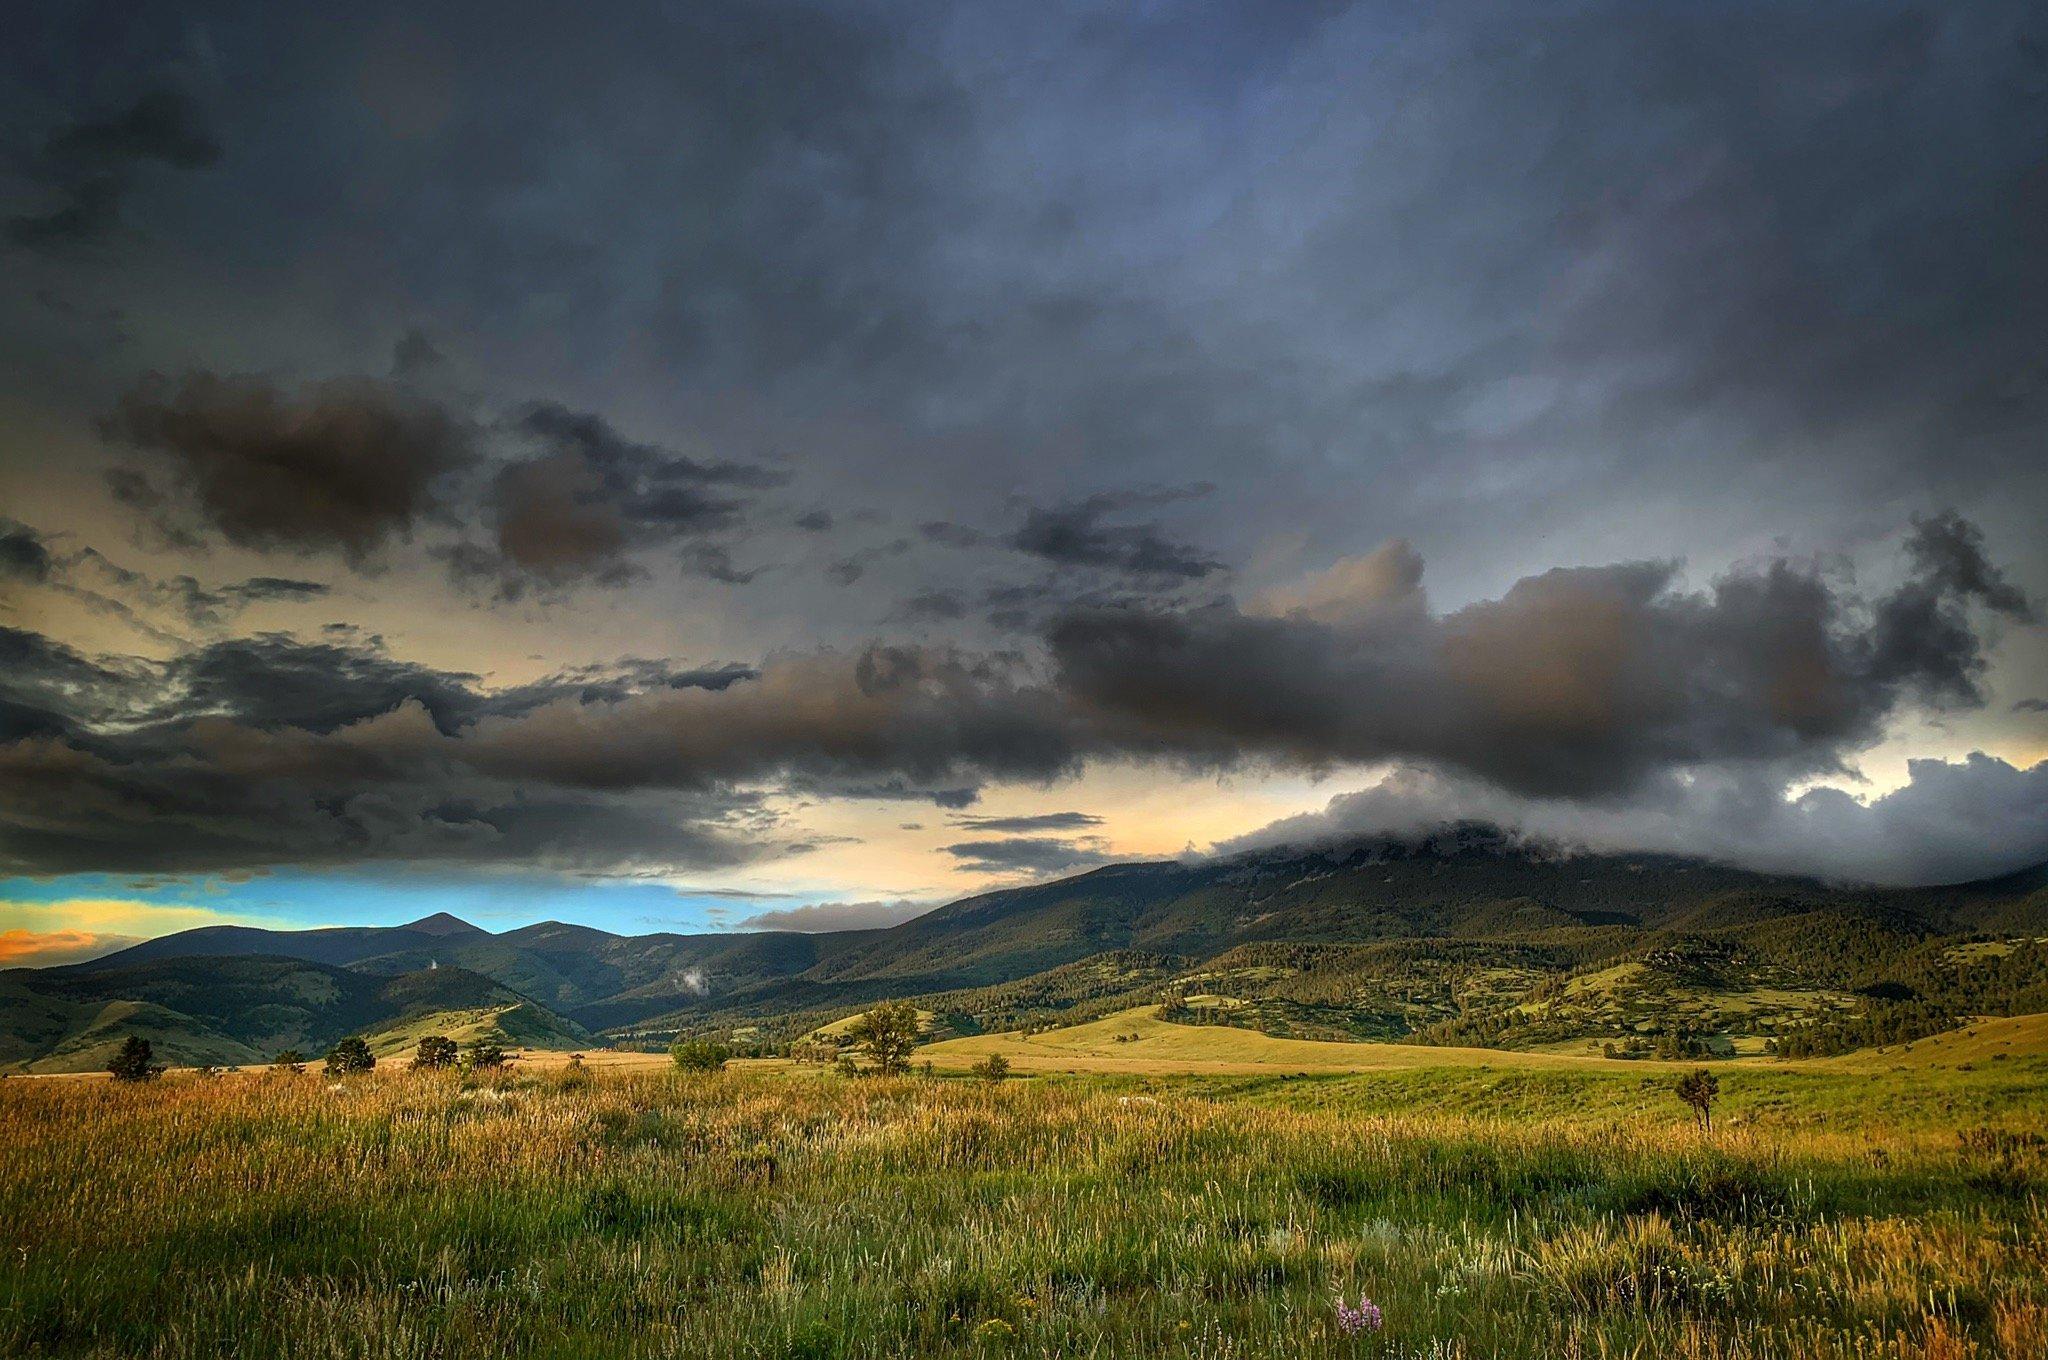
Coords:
pixel 1162 1047
pixel 629 1213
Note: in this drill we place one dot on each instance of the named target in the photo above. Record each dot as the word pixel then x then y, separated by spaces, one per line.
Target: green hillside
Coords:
pixel 522 1024
pixel 1464 936
pixel 243 1009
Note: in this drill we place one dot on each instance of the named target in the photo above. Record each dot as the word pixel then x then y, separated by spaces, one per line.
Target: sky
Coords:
pixel 759 465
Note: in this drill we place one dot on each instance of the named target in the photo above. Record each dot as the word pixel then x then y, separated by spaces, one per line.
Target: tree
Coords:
pixel 992 1069
pixel 436 1053
pixel 485 1055
pixel 291 1060
pixel 699 1055
pixel 135 1062
pixel 349 1056
pixel 1698 1089
pixel 888 1033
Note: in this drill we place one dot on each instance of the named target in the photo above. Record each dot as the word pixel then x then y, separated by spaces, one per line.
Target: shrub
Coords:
pixel 436 1052
pixel 291 1060
pixel 994 1068
pixel 349 1056
pixel 135 1061
pixel 699 1055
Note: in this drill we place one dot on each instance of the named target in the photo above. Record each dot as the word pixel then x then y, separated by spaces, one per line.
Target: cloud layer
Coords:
pixel 1952 821
pixel 1579 682
pixel 1593 688
pixel 980 394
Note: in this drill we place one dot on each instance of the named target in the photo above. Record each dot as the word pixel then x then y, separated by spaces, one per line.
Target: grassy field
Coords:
pixel 1538 1208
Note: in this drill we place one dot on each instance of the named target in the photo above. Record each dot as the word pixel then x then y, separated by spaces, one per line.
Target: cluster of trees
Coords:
pixel 1884 1023
pixel 1670 1046
pixel 885 1035
pixel 438 1053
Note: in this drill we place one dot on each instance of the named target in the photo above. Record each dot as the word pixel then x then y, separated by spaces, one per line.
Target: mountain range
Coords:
pixel 1465 933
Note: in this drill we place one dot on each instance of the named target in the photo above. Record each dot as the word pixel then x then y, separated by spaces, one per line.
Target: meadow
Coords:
pixel 794 1212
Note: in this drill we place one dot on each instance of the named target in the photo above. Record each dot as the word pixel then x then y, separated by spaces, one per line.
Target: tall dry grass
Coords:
pixel 764 1215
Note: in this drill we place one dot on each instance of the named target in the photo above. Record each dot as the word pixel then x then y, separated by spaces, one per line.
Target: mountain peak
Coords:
pixel 441 923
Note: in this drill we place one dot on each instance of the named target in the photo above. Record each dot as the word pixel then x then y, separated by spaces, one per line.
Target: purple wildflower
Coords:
pixel 1365 1317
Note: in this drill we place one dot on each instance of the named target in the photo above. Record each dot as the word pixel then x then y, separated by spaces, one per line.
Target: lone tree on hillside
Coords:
pixel 135 1062
pixel 436 1052
pixel 349 1056
pixel 699 1055
pixel 1698 1089
pixel 888 1033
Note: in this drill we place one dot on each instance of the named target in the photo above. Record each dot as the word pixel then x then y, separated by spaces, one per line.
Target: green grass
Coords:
pixel 518 1025
pixel 1535 1211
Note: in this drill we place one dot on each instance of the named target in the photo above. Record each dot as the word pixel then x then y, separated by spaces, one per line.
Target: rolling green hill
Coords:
pixel 1467 935
pixel 245 1009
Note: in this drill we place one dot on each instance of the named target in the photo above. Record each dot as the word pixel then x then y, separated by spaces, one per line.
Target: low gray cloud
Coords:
pixel 1951 821
pixel 1030 855
pixel 819 917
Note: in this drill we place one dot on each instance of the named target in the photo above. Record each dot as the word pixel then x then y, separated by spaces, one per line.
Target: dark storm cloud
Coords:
pixel 277 682
pixel 589 499
pixel 266 750
pixel 1921 637
pixel 209 607
pixel 1598 688
pixel 345 464
pixel 48 689
pixel 95 582
pixel 1079 534
pixel 851 568
pixel 935 605
pixel 1026 855
pixel 274 588
pixel 1634 279
pixel 90 166
pixel 1042 821
pixel 950 535
pixel 23 554
pixel 1578 682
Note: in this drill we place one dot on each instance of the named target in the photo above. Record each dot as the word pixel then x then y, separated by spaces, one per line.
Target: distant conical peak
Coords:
pixel 441 923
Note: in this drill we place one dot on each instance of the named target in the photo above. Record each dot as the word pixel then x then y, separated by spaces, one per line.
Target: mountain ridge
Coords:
pixel 1458 882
